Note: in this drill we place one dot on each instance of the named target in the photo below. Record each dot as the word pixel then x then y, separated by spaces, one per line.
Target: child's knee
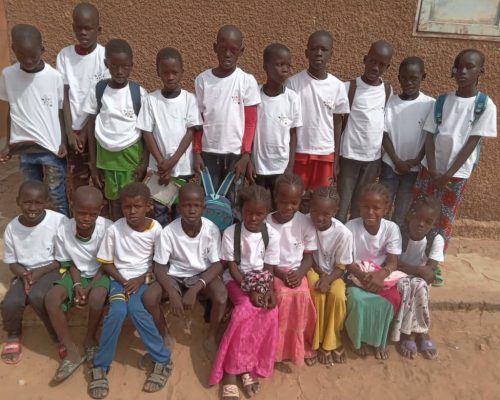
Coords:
pixel 117 310
pixel 337 290
pixel 97 298
pixel 219 293
pixel 152 296
pixel 54 298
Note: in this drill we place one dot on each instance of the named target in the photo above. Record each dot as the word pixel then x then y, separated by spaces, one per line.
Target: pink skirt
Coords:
pixel 249 342
pixel 297 322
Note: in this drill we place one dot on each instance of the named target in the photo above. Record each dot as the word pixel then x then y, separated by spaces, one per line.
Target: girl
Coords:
pixel 297 316
pixel 422 251
pixel 372 295
pixel 251 250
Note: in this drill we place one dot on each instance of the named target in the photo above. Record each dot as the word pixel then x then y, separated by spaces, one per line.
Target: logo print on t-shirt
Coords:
pixel 128 112
pixel 298 245
pixel 236 99
pixel 47 100
pixel 99 76
pixel 284 120
pixel 329 103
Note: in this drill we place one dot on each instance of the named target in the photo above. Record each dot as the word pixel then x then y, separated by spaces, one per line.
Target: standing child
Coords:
pixel 361 143
pixel 29 242
pixel 404 136
pixel 81 66
pixel 34 92
pixel 372 295
pixel 324 99
pixel 83 283
pixel 297 316
pixel 251 249
pixel 452 138
pixel 116 152
pixel 278 116
pixel 422 251
pixel 325 279
pixel 126 255
pixel 167 120
pixel 227 98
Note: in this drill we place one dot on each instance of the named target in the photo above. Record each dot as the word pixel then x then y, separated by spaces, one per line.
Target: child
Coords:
pixel 451 150
pixel 167 121
pixel 248 347
pixel 361 143
pixel 297 316
pixel 371 299
pixel 325 279
pixel 126 255
pixel 422 251
pixel 227 98
pixel 278 116
pixel 34 92
pixel 77 242
pixel 81 66
pixel 29 241
pixel 324 99
pixel 187 263
pixel 116 152
pixel 404 136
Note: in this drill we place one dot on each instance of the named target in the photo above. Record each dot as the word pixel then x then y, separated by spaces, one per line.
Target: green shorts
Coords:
pixel 67 282
pixel 115 181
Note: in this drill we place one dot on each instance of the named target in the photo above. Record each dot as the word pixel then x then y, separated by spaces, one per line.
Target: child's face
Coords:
pixel 253 214
pixel 376 63
pixel 228 49
pixel 120 66
pixel 135 209
pixel 372 208
pixel 421 222
pixel 319 52
pixel 190 207
pixel 322 211
pixel 288 200
pixel 85 214
pixel 279 66
pixel 468 69
pixel 86 29
pixel 29 54
pixel 170 72
pixel 410 77
pixel 32 203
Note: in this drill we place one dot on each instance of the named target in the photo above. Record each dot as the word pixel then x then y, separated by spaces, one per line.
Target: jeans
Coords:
pixel 51 169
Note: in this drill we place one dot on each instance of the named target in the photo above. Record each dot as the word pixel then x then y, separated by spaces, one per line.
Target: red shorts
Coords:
pixel 314 170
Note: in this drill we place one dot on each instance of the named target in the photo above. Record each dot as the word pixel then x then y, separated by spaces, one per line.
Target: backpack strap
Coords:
pixel 430 241
pixel 100 87
pixel 226 184
pixel 479 105
pixel 265 234
pixel 135 92
pixel 350 95
pixel 438 111
pixel 237 243
pixel 206 179
pixel 388 89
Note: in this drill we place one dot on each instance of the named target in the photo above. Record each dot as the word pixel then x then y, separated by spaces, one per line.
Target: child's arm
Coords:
pixel 426 272
pixel 140 171
pixel 337 134
pixel 356 271
pixel 270 300
pixel 293 150
pixel 5 153
pixel 375 280
pixel 430 154
pixel 206 277
pixel 401 166
pixel 417 160
pixel 112 271
pixel 17 269
pixel 294 277
pixel 62 148
pixel 166 165
pixel 74 141
pixel 174 298
pixel 152 146
pixel 235 272
pixel 325 280
pixel 96 174
pixel 246 146
pixel 81 294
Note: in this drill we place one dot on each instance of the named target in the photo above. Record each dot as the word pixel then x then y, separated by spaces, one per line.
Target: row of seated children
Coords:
pixel 283 272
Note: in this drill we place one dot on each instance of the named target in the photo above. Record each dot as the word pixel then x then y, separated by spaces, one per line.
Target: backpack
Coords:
pixel 479 107
pixel 135 92
pixel 217 207
pixel 237 240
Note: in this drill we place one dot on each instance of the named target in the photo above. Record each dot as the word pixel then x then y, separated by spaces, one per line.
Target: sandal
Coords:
pixel 62 351
pixel 410 346
pixel 158 377
pixel 230 392
pixel 425 346
pixel 324 357
pixel 98 387
pixel 66 368
pixel 311 361
pixel 11 352
pixel 339 356
pixel 250 385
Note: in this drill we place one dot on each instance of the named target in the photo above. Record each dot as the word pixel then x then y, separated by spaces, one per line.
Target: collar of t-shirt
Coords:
pixel 35 70
pixel 82 52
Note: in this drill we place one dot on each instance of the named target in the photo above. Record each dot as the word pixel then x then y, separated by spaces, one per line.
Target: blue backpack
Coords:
pixel 135 93
pixel 217 207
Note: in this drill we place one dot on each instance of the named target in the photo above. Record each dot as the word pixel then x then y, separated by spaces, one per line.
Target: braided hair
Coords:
pixel 288 179
pixel 327 192
pixel 253 193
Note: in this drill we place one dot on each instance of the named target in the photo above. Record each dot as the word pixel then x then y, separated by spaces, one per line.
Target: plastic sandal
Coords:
pixel 98 381
pixel 230 392
pixel 158 376
pixel 66 369
pixel 9 348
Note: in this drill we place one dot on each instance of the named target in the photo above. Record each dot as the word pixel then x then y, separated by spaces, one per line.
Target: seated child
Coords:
pixel 372 296
pixel 187 263
pixel 29 242
pixel 77 242
pixel 404 137
pixel 297 316
pixel 248 346
pixel 126 255
pixel 422 251
pixel 116 151
pixel 325 279
pixel 167 120
pixel 33 92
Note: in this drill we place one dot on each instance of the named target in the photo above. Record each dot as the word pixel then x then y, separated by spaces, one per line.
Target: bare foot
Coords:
pixel 362 351
pixel 325 357
pixel 339 356
pixel 381 353
pixel 427 346
pixel 310 361
pixel 250 385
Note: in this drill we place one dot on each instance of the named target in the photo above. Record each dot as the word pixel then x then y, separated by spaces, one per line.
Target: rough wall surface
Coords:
pixel 191 27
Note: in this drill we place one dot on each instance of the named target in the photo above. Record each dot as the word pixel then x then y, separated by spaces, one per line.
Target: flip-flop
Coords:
pixel 62 351
pixel 230 392
pixel 409 345
pixel 425 346
pixel 311 361
pixel 66 369
pixel 13 347
pixel 248 382
pixel 324 357
pixel 339 356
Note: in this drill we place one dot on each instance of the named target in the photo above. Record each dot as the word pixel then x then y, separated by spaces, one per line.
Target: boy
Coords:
pixel 227 99
pixel 404 136
pixel 77 242
pixel 361 140
pixel 116 151
pixel 34 92
pixel 29 241
pixel 126 255
pixel 323 99
pixel 278 116
pixel 187 263
pixel 81 66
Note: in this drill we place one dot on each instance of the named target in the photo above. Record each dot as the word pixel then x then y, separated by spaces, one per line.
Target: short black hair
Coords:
pixel 253 193
pixel 191 187
pixel 168 53
pixel 82 8
pixel 377 188
pixel 24 32
pixel 326 34
pixel 273 49
pixel 135 189
pixel 424 200
pixel 412 60
pixel 229 29
pixel 116 46
pixel 382 46
pixel 88 194
pixel 481 55
pixel 288 179
pixel 33 185
pixel 327 192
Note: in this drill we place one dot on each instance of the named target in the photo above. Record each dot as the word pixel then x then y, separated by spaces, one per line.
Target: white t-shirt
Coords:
pixel 222 103
pixel 32 247
pixel 115 124
pixel 415 252
pixel 296 236
pixel 168 120
pixel 320 99
pixel 130 251
pixel 35 100
pixel 81 254
pixel 334 247
pixel 367 247
pixel 456 128
pixel 404 123
pixel 185 255
pixel 363 134
pixel 81 73
pixel 253 252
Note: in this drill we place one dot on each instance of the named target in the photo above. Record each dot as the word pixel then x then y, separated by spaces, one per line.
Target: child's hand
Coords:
pixel 97 176
pixel 81 295
pixel 166 166
pixel 427 274
pixel 75 143
pixel 441 180
pixel 240 168
pixel 294 278
pixel 251 174
pixel 402 167
pixel 63 152
pixel 323 284
pixel 164 178
pixel 176 305
pixel 270 300
pixel 376 281
pixel 132 285
pixel 5 154
pixel 140 172
pixel 198 163
pixel 27 282
pixel 189 299
pixel 257 299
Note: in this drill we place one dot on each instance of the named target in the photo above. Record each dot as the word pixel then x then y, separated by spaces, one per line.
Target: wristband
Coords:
pixel 203 281
pixel 76 284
